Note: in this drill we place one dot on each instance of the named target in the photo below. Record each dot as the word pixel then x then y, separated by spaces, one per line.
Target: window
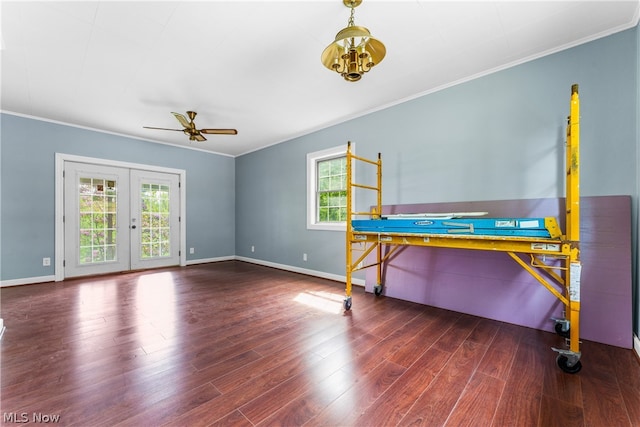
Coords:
pixel 332 190
pixel 327 189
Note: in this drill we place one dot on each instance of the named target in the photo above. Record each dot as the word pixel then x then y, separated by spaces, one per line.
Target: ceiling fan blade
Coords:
pixel 149 127
pixel 199 137
pixel 219 131
pixel 182 119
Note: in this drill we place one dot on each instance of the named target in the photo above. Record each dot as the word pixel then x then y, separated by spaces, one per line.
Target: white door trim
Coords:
pixel 59 202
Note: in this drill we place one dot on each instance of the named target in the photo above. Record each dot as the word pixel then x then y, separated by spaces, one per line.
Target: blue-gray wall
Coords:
pixel 27 182
pixel 494 138
pixel 636 240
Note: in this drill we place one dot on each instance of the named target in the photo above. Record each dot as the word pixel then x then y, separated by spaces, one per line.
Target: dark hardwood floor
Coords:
pixel 236 344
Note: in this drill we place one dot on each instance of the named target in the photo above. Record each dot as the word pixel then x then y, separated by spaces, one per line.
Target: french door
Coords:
pixel 118 219
pixel 155 227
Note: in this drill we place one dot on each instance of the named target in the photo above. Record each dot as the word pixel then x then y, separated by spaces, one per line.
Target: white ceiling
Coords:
pixel 255 66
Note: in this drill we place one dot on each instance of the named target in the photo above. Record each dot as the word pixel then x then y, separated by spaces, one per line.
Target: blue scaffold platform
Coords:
pixel 522 227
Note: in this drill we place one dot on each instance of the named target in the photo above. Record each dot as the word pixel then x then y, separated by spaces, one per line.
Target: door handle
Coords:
pixel 133 227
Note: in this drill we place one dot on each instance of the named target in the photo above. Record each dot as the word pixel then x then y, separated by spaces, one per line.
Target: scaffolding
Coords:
pixel 552 259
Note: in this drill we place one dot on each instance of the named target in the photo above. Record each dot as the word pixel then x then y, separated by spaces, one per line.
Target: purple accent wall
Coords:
pixel 492 285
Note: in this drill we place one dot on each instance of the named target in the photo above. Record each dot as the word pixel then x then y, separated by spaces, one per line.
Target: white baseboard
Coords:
pixel 27 281
pixel 41 279
pixel 636 345
pixel 322 274
pixel 208 260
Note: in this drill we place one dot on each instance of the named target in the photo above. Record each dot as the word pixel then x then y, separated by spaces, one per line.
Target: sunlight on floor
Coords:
pixel 156 300
pixel 155 293
pixel 323 301
pixel 93 297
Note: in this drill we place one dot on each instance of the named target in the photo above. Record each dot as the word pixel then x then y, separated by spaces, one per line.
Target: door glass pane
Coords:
pixel 154 221
pixel 97 202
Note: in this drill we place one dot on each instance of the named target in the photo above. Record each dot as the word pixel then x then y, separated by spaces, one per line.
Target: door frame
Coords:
pixel 59 202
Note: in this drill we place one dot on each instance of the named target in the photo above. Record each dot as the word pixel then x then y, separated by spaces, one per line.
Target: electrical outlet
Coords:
pixel 46 262
pixel 253 248
pixel 304 257
pixel 191 250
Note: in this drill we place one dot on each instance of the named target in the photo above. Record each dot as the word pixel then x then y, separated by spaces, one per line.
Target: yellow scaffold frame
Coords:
pixel 563 247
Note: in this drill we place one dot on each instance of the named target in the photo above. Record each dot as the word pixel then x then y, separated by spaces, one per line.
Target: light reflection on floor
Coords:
pixel 330 382
pixel 320 300
pixel 99 302
pixel 155 299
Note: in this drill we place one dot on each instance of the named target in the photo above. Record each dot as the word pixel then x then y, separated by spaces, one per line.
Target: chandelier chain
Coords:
pixel 351 18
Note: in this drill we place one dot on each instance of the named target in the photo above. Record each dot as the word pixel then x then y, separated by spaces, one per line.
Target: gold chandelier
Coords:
pixel 353 52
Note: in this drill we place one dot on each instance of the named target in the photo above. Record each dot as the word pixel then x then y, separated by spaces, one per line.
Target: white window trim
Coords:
pixel 312 182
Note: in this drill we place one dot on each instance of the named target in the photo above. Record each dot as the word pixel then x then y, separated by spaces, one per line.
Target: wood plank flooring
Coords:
pixel 237 344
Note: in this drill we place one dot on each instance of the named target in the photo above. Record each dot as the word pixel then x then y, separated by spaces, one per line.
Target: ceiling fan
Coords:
pixel 189 128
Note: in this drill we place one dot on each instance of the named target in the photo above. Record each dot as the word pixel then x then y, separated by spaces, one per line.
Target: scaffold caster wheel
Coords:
pixel 347 304
pixel 563 363
pixel 377 289
pixel 559 331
